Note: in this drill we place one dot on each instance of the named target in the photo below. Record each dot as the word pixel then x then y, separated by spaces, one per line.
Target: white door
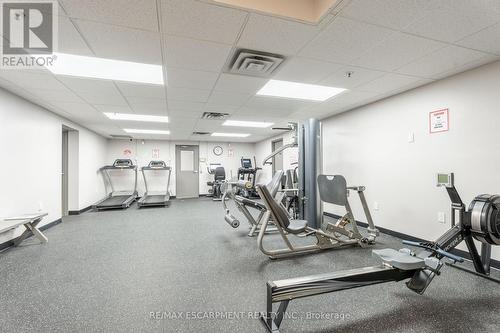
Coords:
pixel 187 173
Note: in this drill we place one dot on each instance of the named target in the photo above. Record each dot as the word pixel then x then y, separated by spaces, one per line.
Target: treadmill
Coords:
pixel 155 198
pixel 117 199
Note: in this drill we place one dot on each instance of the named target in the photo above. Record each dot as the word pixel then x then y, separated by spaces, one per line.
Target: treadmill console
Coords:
pixel 123 163
pixel 246 163
pixel 157 164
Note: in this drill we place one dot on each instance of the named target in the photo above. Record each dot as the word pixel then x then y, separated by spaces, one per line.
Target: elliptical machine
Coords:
pixel 248 174
pixel 219 173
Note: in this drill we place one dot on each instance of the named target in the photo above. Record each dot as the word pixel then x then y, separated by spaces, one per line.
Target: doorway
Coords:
pixel 187 171
pixel 64 173
pixel 278 158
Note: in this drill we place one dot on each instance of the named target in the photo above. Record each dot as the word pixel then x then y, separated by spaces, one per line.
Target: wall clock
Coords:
pixel 218 150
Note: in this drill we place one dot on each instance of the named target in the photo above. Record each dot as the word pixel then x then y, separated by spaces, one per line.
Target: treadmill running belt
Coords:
pixel 151 199
pixel 114 201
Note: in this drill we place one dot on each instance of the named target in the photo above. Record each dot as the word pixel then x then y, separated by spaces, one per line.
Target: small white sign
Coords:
pixel 156 153
pixel 439 121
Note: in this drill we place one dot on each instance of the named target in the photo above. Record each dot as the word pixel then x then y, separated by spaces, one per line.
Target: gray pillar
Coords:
pixel 310 166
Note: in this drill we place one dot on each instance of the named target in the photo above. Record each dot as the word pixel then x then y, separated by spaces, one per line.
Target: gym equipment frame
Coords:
pixel 155 199
pixel 117 199
pixel 243 204
pixel 330 235
pixel 481 222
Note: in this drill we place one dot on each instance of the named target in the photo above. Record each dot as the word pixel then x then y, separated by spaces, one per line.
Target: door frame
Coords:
pixel 178 148
pixel 65 172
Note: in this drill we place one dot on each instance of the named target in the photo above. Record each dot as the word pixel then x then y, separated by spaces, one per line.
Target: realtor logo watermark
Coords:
pixel 29 33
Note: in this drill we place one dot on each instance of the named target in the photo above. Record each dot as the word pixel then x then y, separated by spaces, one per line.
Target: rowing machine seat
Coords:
pixel 401 259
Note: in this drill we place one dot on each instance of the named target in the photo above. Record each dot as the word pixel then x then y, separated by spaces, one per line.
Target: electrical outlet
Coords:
pixel 40 207
pixel 376 206
pixel 441 217
pixel 411 137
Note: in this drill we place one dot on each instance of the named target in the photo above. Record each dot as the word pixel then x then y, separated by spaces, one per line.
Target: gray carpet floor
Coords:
pixel 179 269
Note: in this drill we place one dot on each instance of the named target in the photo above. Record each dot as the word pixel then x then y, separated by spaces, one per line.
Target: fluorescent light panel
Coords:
pixel 146 131
pixel 107 69
pixel 241 123
pixel 136 117
pixel 233 135
pixel 296 90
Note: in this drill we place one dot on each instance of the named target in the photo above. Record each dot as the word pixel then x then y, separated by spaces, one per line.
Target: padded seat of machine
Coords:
pixel 297 226
pixel 251 203
pixel 398 259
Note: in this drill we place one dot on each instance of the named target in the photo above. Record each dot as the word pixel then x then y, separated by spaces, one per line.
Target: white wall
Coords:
pixel 143 153
pixel 369 146
pixel 30 169
pixel 264 149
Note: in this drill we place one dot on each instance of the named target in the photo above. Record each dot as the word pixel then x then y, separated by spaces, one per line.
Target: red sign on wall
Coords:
pixel 439 121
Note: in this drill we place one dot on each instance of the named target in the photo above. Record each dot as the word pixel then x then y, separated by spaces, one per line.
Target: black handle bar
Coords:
pixel 433 248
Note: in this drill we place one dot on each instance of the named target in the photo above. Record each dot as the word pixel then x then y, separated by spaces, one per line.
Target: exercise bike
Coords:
pixel 219 173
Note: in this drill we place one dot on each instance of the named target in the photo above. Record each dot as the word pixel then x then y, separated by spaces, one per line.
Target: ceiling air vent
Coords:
pixel 201 133
pixel 214 115
pixel 254 63
pixel 121 136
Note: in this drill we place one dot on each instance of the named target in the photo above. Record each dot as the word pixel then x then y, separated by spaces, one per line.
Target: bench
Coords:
pixel 30 222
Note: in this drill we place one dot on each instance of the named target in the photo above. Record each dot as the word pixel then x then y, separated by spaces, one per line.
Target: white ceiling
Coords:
pixel 389 46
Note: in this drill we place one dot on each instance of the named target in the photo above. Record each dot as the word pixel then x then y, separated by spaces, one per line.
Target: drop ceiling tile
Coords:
pixel 141 90
pixel 272 34
pixel 388 82
pixel 145 109
pixel 98 97
pixel 265 102
pixel 112 108
pixel 487 40
pixel 239 84
pixel 344 40
pixel 183 78
pixel 114 42
pixel 358 77
pixel 213 23
pixel 441 61
pixel 452 20
pixel 195 54
pixel 78 84
pixel 185 106
pixel 186 94
pixel 184 114
pixel 140 14
pixel 259 113
pixel 57 95
pixel 305 70
pixel 388 13
pixel 150 103
pixel 397 50
pixel 221 108
pixel 81 110
pixel 69 39
pixel 228 98
pixel 29 79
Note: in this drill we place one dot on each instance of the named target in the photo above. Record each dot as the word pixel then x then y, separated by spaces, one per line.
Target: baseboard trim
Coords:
pixel 81 211
pixel 494 263
pixel 11 242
